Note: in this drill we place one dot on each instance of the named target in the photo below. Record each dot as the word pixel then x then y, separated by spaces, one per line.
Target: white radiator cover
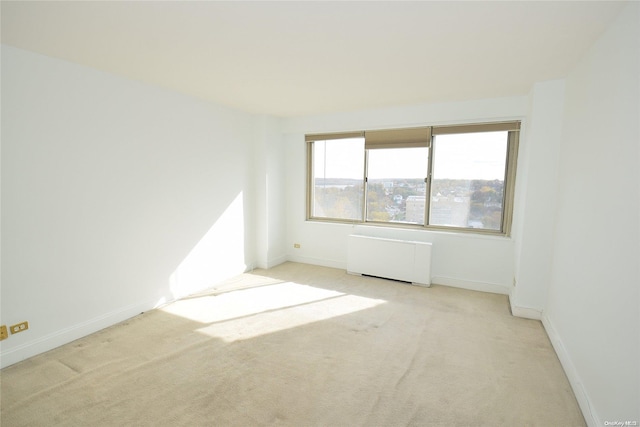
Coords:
pixel 408 261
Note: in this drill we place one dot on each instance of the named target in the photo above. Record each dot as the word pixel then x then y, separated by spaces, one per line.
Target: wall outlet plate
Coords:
pixel 4 334
pixel 19 327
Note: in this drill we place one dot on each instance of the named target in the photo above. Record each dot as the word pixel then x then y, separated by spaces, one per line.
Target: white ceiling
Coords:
pixel 297 58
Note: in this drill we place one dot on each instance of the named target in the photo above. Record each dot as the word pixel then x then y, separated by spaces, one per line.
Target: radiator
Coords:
pixel 391 259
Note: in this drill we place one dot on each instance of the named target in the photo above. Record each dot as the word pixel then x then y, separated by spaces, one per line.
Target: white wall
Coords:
pixel 116 196
pixel 465 260
pixel 592 313
pixel 536 195
pixel 270 188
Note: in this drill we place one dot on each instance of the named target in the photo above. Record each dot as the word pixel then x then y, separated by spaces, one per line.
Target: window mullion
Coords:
pixel 366 185
pixel 427 188
pixel 509 187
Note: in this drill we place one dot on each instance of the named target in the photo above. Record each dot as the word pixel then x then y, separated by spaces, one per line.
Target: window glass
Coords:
pixel 380 176
pixel 338 179
pixel 467 187
pixel 396 184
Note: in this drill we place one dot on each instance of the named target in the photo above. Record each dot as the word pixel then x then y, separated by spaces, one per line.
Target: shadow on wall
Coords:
pixel 219 254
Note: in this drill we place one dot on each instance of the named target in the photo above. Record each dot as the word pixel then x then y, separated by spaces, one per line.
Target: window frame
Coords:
pixel 513 129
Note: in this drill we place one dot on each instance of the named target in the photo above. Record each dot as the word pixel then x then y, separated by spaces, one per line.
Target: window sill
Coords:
pixel 458 232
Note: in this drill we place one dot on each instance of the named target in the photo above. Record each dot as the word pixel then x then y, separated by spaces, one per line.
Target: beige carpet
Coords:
pixel 300 345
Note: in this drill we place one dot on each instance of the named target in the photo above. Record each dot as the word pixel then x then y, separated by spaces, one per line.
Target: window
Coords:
pixel 396 189
pixel 337 178
pixel 443 177
pixel 467 187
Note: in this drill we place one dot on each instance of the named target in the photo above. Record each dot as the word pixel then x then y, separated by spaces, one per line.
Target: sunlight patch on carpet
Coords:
pixel 249 313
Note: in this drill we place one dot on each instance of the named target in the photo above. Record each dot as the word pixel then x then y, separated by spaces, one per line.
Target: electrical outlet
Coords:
pixel 19 327
pixel 4 334
pixel 296 245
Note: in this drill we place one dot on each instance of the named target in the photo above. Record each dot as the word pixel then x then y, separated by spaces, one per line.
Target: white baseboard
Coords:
pixel 318 261
pixel 524 312
pixel 67 335
pixel 276 261
pixel 493 288
pixel 582 397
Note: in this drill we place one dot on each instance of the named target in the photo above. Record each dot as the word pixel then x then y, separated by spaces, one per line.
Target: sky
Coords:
pixel 460 156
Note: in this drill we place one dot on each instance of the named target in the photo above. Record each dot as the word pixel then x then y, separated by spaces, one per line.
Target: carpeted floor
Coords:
pixel 300 345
